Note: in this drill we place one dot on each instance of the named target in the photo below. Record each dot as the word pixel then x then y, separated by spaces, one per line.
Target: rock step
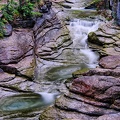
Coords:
pixel 101 88
pixel 54 113
pixel 99 72
pixel 68 104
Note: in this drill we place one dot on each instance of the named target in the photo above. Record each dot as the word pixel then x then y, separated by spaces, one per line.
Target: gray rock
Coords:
pixel 110 117
pixel 8 30
pixel 16 47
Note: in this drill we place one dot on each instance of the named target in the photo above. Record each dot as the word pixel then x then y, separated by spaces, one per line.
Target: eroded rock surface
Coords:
pixel 106 39
pixel 94 94
pixel 19 54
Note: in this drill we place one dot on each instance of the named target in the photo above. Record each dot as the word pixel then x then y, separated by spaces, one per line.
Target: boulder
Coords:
pixel 92 37
pixel 110 62
pixel 106 36
pixel 8 30
pixel 16 47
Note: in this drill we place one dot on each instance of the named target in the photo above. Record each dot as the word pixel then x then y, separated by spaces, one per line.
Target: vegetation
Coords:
pixel 24 9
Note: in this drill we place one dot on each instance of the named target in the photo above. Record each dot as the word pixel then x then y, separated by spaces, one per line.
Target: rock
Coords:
pixel 53 113
pixel 16 47
pixel 18 69
pixel 110 117
pixel 81 107
pixel 110 62
pixel 97 87
pixel 29 23
pixel 43 9
pixel 51 37
pixel 4 77
pixel 107 35
pixel 100 71
pixel 116 104
pixel 111 51
pixel 8 30
pixel 94 39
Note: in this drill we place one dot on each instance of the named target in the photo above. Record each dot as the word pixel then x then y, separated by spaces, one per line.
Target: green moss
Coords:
pixel 30 70
pixel 80 72
pixel 48 114
pixel 1 6
pixel 83 14
pixel 118 35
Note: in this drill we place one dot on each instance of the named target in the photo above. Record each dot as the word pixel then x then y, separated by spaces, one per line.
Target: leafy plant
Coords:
pixel 26 10
pixel 9 11
pixel 23 9
pixel 1 28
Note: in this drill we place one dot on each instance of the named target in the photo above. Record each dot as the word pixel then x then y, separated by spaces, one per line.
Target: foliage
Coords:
pixel 14 10
pixel 9 11
pixel 1 28
pixel 101 6
pixel 26 10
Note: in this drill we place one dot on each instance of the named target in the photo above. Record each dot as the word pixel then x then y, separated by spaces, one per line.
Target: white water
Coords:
pixel 79 32
pixel 48 97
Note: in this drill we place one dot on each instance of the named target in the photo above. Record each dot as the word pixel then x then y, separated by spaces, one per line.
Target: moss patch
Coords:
pixel 30 70
pixel 80 72
pixel 83 13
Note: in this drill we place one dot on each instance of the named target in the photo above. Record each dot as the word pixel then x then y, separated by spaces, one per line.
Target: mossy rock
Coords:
pixel 80 72
pixel 92 38
pixel 30 71
pixel 83 13
pixel 118 36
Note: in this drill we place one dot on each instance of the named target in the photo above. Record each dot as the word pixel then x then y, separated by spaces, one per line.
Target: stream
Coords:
pixel 51 75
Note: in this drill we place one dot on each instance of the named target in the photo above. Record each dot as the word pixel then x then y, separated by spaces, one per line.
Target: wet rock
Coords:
pixel 100 71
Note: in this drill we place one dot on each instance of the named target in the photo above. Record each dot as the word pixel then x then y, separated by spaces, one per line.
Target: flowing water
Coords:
pixel 79 30
pixel 52 74
pixel 51 81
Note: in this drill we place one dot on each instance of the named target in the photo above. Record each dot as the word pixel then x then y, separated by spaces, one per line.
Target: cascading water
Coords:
pixel 79 30
pixel 52 74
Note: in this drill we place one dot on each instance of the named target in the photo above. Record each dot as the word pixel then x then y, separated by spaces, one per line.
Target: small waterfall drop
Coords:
pixel 79 30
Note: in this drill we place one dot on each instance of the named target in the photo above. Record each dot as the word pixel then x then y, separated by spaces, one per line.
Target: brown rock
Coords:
pixel 110 62
pixel 102 88
pixel 81 107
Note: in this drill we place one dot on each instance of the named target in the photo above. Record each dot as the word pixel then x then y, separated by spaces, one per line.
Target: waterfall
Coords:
pixel 79 32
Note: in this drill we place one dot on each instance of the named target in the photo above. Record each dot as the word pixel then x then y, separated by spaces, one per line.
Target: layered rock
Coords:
pixel 106 39
pixel 93 94
pixel 16 51
pixel 46 41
